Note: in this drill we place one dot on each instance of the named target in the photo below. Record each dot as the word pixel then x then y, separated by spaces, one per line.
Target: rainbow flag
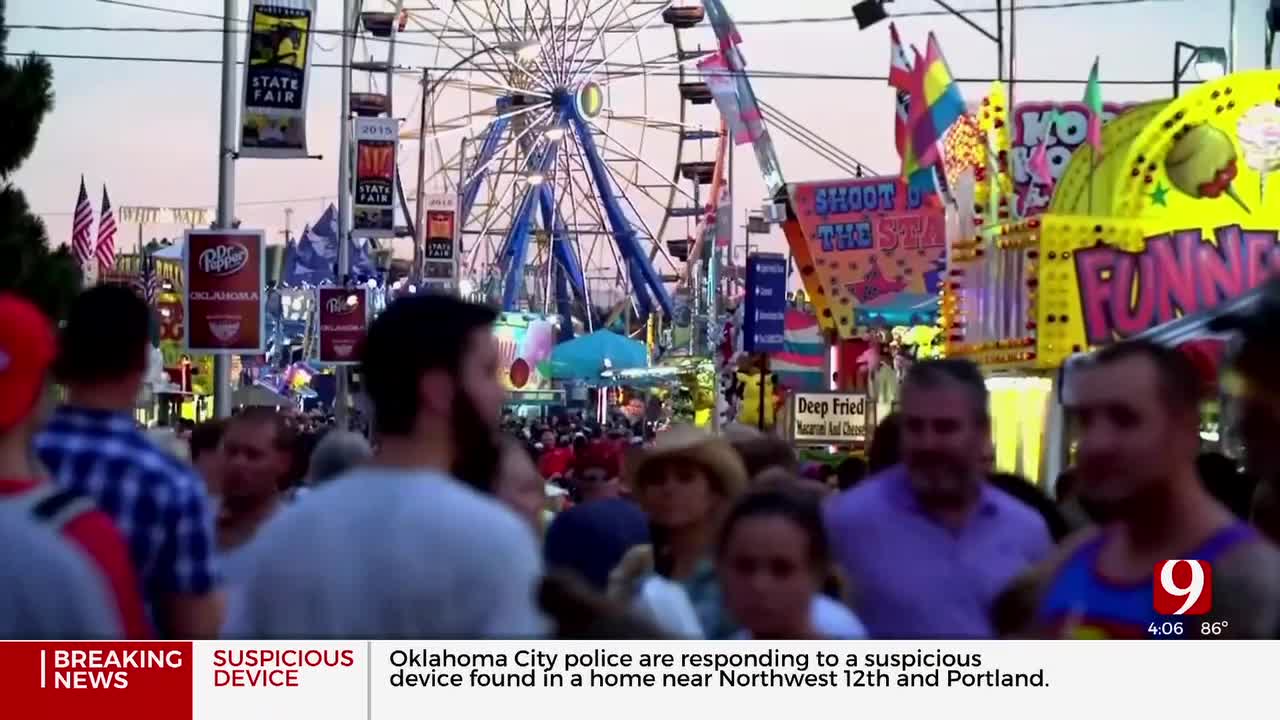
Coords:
pixel 936 104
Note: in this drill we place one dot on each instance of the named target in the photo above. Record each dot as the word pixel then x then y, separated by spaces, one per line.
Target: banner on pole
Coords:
pixel 273 119
pixel 344 318
pixel 225 302
pixel 764 322
pixel 441 232
pixel 376 140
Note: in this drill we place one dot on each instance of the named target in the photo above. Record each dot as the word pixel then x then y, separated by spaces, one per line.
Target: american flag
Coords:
pixel 106 237
pixel 82 229
pixel 148 283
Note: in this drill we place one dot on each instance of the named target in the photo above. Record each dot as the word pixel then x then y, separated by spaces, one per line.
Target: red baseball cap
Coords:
pixel 27 350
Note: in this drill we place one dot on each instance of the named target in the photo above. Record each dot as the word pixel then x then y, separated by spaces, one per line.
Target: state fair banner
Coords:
pixel 344 318
pixel 273 119
pixel 376 140
pixel 441 236
pixel 744 680
pixel 225 302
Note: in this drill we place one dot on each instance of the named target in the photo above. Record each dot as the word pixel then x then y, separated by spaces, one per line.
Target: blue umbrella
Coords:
pixel 584 358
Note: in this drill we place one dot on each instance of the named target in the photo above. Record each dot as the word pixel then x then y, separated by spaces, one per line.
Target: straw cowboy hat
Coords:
pixel 689 444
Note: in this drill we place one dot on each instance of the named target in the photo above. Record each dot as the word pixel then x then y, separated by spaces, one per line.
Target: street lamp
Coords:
pixel 1210 62
pixel 869 12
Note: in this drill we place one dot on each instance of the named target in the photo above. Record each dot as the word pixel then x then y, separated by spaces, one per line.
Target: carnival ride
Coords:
pixel 574 140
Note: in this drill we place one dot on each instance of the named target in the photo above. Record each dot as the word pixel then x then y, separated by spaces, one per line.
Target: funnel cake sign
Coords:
pixel 224 299
pixel 1177 274
pixel 344 317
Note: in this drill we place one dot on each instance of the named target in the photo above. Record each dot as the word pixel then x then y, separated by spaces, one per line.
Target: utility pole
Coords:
pixel 226 183
pixel 288 225
pixel 341 394
pixel 1234 45
pixel 420 211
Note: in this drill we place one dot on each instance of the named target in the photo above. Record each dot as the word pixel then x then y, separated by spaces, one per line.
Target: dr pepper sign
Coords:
pixel 344 316
pixel 225 302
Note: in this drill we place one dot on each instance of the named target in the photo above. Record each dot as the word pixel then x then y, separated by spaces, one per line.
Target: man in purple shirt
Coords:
pixel 928 545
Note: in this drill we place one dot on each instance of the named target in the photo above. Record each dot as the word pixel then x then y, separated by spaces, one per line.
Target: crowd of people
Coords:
pixel 460 521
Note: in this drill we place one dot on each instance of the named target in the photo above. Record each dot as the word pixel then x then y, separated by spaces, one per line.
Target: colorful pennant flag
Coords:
pixel 82 229
pixel 1038 162
pixel 106 237
pixel 935 105
pixel 743 116
pixel 1093 101
pixel 902 80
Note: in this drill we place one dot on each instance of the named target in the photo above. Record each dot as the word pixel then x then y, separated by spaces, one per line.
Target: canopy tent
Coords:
pixel 584 358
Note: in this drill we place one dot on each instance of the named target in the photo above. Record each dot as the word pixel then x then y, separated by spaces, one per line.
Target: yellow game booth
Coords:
pixel 1173 220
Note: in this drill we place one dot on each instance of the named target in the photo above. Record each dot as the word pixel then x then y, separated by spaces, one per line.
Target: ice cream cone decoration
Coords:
pixel 1259 134
pixel 1202 164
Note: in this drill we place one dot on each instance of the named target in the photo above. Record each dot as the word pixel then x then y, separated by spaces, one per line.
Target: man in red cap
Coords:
pixel 27 350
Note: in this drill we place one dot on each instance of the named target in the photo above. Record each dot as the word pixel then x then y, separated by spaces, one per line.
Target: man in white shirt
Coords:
pixel 400 548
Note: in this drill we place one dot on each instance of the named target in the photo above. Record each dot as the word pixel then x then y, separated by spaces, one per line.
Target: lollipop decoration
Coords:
pixel 1259 133
pixel 1202 164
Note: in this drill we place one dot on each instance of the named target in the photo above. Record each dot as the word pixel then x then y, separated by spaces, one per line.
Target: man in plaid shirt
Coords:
pixel 93 446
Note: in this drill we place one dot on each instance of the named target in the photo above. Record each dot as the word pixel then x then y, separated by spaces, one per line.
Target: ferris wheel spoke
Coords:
pixel 649 234
pixel 654 68
pixel 653 14
pixel 519 34
pixel 582 51
pixel 470 30
pixel 440 33
pixel 512 143
pixel 484 122
pixel 621 147
pixel 559 35
pixel 589 200
pixel 584 260
pixel 513 64
pixel 672 126
pixel 633 273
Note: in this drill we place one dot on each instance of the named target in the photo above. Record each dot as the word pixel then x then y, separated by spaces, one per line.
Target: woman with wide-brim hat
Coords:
pixel 686 482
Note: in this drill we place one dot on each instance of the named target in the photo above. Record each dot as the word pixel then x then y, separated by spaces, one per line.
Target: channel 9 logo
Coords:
pixel 1182 587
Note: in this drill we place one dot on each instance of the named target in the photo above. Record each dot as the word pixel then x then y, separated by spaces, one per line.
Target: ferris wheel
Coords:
pixel 580 142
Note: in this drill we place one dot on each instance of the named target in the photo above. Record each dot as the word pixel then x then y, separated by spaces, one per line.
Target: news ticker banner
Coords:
pixel 642 680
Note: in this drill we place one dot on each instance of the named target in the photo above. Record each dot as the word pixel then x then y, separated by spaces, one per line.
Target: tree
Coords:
pixel 28 266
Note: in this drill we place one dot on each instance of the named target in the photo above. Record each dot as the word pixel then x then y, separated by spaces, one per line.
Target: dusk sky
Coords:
pixel 149 131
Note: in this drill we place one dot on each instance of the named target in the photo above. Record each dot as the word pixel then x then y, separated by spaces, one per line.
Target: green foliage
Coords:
pixel 28 266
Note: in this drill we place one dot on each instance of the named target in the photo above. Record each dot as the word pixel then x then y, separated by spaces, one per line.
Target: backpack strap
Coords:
pixel 57 508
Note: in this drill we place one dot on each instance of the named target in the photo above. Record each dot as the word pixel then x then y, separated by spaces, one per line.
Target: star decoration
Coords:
pixel 1160 196
pixel 874 284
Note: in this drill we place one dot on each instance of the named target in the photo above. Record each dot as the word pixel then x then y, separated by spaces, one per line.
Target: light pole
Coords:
pixel 225 218
pixel 1210 63
pixel 1233 42
pixel 520 50
pixel 349 19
